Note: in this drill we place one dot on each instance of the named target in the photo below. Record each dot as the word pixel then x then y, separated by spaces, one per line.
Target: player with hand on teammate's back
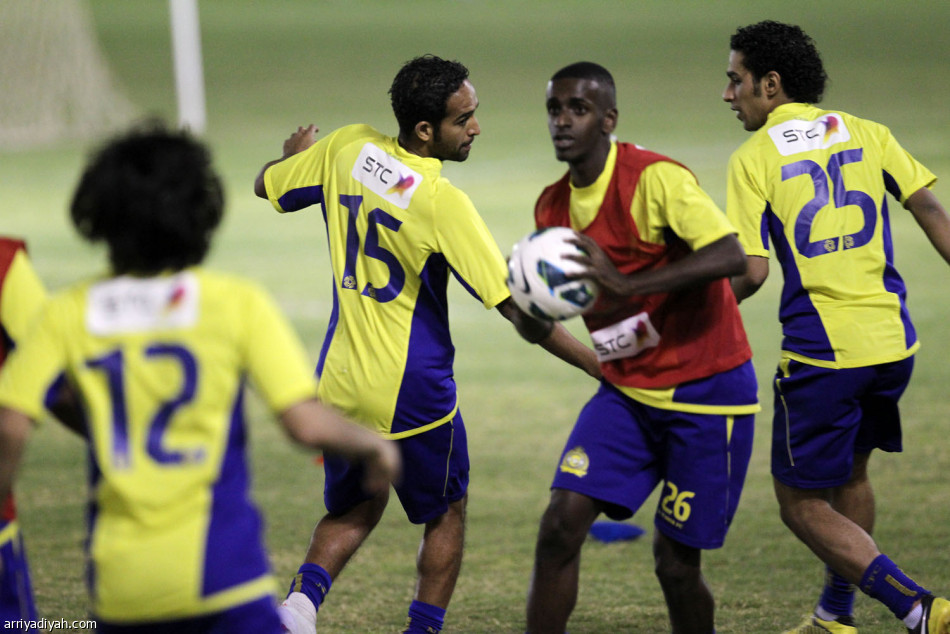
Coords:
pixel 158 351
pixel 814 182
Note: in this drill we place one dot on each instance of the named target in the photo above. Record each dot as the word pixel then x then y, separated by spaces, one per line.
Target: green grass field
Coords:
pixel 271 66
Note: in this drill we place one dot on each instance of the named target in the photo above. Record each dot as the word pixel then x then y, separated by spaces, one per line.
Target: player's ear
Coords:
pixel 424 131
pixel 772 84
pixel 610 121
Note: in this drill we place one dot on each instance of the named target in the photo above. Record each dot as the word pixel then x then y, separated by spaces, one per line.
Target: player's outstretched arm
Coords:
pixel 15 429
pixel 566 346
pixel 294 144
pixel 551 336
pixel 932 218
pixel 318 426
pixel 745 285
pixel 66 409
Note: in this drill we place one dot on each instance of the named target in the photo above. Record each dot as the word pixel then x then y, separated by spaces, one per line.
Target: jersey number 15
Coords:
pixel 372 249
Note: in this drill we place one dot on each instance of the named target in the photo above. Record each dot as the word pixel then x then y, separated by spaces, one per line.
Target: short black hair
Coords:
pixel 786 49
pixel 152 195
pixel 422 88
pixel 592 72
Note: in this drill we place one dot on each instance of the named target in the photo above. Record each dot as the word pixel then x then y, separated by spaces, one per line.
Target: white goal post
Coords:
pixel 189 74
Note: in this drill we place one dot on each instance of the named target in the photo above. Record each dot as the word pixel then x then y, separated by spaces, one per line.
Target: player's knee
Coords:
pixel 457 509
pixel 799 514
pixel 676 574
pixel 560 533
pixel 375 508
pixel 798 507
pixel 789 516
pixel 366 514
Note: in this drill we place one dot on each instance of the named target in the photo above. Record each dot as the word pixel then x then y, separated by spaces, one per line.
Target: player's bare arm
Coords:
pixel 932 218
pixel 565 346
pixel 67 409
pixel 746 285
pixel 722 258
pixel 15 429
pixel 316 425
pixel 297 142
pixel 551 336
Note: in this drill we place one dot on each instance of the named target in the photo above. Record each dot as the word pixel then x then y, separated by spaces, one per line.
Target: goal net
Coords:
pixel 55 84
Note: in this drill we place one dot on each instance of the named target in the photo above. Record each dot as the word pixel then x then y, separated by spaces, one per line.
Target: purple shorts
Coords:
pixel 434 474
pixel 256 617
pixel 824 416
pixel 16 593
pixel 620 449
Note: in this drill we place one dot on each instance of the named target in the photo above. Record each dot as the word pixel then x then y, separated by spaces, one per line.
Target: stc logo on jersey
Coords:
pixel 831 126
pixel 402 185
pixel 176 299
pixel 128 304
pixel 797 136
pixel 386 176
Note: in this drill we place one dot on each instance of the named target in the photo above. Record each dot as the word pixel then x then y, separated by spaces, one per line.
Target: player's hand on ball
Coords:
pixel 544 281
pixel 597 266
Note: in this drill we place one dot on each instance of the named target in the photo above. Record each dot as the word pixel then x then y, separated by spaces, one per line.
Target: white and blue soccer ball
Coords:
pixel 537 276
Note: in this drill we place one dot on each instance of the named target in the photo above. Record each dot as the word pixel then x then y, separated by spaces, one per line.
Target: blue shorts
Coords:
pixel 620 449
pixel 16 593
pixel 824 416
pixel 256 617
pixel 434 474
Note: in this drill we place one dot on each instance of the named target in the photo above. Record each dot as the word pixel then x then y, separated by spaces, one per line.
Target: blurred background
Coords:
pixel 269 66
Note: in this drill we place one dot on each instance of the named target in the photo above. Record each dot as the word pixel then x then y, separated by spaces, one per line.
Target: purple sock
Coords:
pixel 313 581
pixel 838 595
pixel 424 618
pixel 887 583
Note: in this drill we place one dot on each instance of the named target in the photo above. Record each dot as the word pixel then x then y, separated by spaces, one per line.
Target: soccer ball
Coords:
pixel 537 271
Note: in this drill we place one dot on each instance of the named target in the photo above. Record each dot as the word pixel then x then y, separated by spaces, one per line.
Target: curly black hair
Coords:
pixel 153 197
pixel 787 50
pixel 422 88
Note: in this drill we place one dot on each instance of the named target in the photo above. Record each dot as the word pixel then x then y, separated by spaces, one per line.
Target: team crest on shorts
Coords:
pixel 576 462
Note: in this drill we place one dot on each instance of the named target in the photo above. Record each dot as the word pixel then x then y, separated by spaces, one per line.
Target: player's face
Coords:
pixel 745 95
pixel 457 131
pixel 580 118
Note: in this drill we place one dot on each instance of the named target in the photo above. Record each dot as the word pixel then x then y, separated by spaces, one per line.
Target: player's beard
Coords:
pixel 445 152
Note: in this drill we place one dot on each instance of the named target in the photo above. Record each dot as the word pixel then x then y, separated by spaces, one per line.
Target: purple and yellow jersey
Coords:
pixel 668 199
pixel 160 365
pixel 21 294
pixel 396 228
pixel 816 182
